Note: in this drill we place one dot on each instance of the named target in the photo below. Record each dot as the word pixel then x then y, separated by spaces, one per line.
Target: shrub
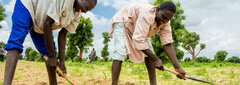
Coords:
pixel 179 54
pixel 20 57
pixel 220 56
pixel 203 59
pixel 39 59
pixel 187 60
pixel 234 59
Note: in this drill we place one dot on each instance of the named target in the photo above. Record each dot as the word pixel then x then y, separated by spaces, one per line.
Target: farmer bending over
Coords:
pixel 40 17
pixel 132 26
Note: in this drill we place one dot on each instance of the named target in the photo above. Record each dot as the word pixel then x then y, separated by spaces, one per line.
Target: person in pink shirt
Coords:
pixel 131 28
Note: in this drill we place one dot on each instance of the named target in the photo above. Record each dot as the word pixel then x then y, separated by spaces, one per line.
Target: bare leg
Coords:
pixel 52 76
pixel 116 68
pixel 151 70
pixel 11 63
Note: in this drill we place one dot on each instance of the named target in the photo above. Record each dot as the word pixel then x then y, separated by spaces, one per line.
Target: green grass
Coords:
pixel 99 73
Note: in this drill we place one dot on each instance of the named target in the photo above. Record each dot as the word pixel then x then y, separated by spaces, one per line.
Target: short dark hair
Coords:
pixel 168 6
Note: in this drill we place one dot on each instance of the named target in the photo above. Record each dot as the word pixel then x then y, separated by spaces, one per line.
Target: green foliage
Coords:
pixel 189 43
pixel 2 14
pixel 39 59
pixel 2 44
pixel 83 36
pixel 178 30
pixel 27 55
pixel 234 59
pixel 166 75
pixel 220 56
pixel 203 59
pixel 33 55
pixel 20 57
pixel 106 37
pixel 104 52
pixel 71 53
pixel 96 58
pixel 187 59
pixel 179 54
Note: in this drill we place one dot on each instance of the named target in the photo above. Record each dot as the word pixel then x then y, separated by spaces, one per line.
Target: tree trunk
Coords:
pixel 193 55
pixel 80 56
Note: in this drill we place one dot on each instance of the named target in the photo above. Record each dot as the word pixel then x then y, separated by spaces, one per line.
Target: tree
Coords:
pixel 2 14
pixel 33 55
pixel 83 36
pixel 104 52
pixel 220 56
pixel 27 55
pixel 71 53
pixel 178 30
pixel 189 43
pixel 234 59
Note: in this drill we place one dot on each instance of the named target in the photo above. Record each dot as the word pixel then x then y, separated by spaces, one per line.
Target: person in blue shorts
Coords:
pixel 39 18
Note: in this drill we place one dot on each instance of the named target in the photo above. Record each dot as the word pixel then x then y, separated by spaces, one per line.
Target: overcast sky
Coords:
pixel 217 22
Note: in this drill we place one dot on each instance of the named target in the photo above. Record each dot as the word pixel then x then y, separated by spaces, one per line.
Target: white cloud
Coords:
pixel 4 24
pixel 97 21
pixel 9 7
pixel 100 24
pixel 217 22
pixel 117 4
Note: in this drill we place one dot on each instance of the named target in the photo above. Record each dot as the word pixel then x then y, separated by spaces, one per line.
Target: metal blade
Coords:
pixel 189 77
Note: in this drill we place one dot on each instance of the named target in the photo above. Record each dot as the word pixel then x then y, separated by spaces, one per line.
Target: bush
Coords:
pixel 234 59
pixel 76 59
pixel 20 57
pixel 39 59
pixel 27 55
pixel 187 60
pixel 220 56
pixel 33 55
pixel 203 59
pixel 96 58
pixel 179 54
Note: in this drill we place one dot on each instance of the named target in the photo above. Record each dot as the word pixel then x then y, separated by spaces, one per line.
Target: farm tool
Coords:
pixel 187 77
pixel 59 71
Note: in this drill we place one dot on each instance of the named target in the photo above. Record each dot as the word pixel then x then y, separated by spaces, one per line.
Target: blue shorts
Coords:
pixel 21 25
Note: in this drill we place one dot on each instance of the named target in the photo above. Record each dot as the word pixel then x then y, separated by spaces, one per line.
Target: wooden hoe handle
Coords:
pixel 59 71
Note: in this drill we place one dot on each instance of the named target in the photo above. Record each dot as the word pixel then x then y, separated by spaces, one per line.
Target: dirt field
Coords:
pixel 99 73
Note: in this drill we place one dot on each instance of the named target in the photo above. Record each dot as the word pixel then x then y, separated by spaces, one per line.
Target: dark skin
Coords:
pixel 152 62
pixel 80 6
pixel 12 55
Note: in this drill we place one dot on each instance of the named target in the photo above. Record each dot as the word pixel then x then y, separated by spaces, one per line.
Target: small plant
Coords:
pixel 105 76
pixel 166 75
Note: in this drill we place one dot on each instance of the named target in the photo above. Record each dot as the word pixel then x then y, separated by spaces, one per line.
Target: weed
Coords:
pixel 166 75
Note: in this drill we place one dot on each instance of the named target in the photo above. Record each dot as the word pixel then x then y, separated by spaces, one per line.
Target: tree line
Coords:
pixel 79 43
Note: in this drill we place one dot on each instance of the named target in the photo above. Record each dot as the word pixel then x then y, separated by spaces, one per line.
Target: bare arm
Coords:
pixel 61 44
pixel 48 38
pixel 168 48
